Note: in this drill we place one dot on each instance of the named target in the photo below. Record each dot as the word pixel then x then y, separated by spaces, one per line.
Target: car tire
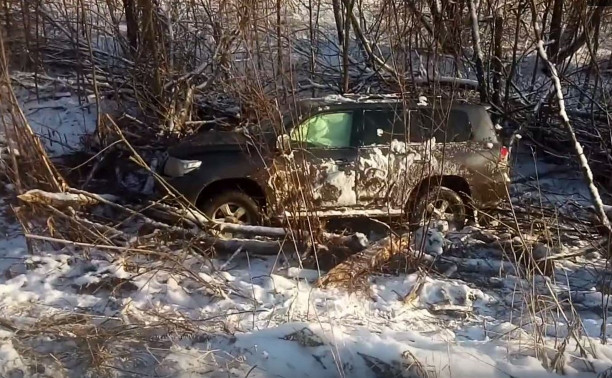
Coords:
pixel 438 203
pixel 215 208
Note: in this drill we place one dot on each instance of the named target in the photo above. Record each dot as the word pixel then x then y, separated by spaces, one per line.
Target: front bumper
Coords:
pixel 186 186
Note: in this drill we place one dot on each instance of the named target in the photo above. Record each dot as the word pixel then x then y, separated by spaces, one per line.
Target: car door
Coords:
pixel 320 171
pixel 387 161
pixel 447 132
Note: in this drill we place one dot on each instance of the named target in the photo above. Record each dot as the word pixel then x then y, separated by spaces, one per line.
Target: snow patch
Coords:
pixel 61 122
pixel 429 240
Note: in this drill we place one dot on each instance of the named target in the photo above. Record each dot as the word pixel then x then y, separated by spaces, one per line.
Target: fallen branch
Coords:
pixel 356 242
pixel 288 244
pixel 105 200
pixel 60 200
pixel 352 271
pixel 450 308
pixel 90 245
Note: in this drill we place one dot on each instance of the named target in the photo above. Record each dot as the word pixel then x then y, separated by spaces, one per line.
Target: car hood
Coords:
pixel 214 141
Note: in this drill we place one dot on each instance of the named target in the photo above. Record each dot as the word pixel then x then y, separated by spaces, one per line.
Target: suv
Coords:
pixel 339 156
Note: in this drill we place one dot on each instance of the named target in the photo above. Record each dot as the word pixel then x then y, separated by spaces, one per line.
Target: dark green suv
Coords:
pixel 338 156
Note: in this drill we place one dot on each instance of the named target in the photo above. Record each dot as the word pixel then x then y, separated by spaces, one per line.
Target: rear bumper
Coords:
pixel 492 192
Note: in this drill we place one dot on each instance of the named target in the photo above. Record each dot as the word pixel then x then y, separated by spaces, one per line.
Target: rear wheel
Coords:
pixel 439 203
pixel 232 207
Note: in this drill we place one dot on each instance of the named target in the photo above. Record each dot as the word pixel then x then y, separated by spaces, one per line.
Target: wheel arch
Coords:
pixel 245 185
pixel 457 183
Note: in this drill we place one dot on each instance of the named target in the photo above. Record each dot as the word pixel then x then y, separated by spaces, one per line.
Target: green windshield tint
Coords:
pixel 332 130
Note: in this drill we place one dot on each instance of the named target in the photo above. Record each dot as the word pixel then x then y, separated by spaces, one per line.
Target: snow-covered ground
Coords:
pixel 95 312
pixel 539 181
pixel 56 114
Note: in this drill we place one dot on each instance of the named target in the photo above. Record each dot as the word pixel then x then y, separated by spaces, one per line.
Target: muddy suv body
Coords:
pixel 345 157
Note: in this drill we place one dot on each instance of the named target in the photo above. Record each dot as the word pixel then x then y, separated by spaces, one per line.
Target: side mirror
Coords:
pixel 283 143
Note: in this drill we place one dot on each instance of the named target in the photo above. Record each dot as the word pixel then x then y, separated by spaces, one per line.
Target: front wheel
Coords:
pixel 439 203
pixel 232 207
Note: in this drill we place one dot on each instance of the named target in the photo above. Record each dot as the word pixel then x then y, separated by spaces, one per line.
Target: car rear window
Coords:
pixel 447 127
pixel 382 126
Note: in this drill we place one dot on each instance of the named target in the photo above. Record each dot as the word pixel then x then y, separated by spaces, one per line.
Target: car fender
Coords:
pixel 217 167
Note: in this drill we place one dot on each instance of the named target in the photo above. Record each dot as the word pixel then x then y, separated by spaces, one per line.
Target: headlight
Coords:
pixel 176 167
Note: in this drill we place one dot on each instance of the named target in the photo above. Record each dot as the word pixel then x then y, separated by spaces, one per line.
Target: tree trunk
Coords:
pixel 352 272
pixel 482 85
pixel 555 29
pixel 346 45
pixel 339 22
pixel 593 23
pixel 497 59
pixel 131 20
pixel 519 13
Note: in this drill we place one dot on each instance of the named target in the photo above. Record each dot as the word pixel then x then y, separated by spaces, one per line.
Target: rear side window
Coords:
pixel 382 126
pixel 458 128
pixel 330 130
pixel 428 123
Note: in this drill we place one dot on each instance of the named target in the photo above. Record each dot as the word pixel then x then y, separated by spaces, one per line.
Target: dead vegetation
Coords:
pixel 180 68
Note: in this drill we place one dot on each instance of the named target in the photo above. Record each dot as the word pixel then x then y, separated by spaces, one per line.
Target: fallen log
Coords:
pixel 352 272
pixel 485 266
pixel 355 242
pixel 257 247
pixel 170 213
pixel 80 198
pixel 288 243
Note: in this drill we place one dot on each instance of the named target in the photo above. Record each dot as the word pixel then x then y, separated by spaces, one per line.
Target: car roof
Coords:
pixel 347 102
pixel 477 113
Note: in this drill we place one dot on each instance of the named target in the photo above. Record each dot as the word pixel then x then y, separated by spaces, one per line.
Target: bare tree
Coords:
pixel 577 147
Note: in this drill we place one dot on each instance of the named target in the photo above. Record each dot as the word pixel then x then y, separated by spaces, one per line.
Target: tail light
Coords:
pixel 503 154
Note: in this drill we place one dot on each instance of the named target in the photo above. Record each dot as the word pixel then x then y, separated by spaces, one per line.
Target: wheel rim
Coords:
pixel 440 209
pixel 232 213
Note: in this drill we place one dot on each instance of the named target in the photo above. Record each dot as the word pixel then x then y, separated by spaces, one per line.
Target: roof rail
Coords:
pixel 382 97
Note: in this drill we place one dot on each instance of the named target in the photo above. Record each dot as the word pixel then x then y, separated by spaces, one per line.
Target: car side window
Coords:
pixel 328 130
pixel 458 128
pixel 382 126
pixel 428 123
pixel 421 126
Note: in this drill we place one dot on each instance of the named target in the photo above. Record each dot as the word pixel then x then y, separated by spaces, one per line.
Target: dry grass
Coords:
pixel 180 78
